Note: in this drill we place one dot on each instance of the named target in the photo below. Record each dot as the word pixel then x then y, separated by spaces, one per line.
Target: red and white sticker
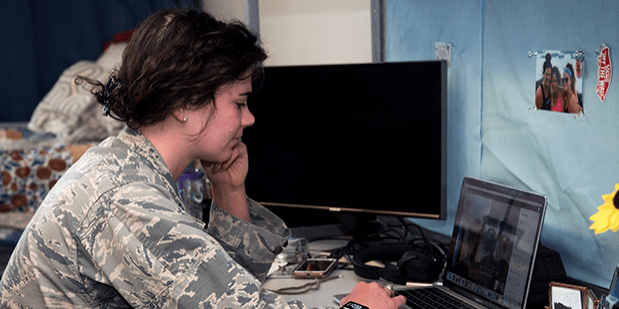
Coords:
pixel 604 73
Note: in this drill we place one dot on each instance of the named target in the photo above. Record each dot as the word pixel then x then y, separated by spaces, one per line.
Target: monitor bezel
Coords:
pixel 441 213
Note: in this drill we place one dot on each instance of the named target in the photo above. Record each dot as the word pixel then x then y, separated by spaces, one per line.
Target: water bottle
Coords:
pixel 191 188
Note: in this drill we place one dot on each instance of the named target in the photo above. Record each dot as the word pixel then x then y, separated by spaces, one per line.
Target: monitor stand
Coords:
pixel 325 231
pixel 359 225
pixel 354 225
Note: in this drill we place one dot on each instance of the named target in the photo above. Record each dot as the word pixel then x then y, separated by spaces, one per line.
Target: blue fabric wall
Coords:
pixel 491 132
pixel 42 38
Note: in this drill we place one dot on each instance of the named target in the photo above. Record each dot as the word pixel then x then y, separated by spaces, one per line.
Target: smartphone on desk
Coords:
pixel 314 268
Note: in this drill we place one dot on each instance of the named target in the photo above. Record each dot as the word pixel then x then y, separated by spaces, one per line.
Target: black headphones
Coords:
pixel 417 264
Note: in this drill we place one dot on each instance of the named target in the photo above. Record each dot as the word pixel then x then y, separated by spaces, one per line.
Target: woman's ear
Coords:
pixel 180 114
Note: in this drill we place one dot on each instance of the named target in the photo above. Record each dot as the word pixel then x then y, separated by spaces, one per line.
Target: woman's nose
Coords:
pixel 248 119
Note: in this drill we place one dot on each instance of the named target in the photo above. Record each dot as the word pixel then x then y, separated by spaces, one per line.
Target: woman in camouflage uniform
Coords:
pixel 113 232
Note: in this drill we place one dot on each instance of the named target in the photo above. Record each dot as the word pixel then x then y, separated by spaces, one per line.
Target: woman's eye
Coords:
pixel 241 104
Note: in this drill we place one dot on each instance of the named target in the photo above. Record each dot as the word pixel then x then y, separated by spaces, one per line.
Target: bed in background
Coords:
pixel 34 155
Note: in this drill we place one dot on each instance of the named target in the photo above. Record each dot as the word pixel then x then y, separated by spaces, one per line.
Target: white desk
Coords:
pixel 323 296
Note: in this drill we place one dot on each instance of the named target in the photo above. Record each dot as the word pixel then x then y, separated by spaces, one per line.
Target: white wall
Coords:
pixel 225 9
pixel 296 32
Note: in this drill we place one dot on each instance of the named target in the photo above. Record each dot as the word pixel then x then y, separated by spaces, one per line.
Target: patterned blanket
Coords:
pixel 30 164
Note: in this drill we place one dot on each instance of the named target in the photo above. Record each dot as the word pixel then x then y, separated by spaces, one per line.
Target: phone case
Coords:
pixel 314 268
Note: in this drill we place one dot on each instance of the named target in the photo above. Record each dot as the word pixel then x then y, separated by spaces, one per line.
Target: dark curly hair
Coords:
pixel 177 58
pixel 547 64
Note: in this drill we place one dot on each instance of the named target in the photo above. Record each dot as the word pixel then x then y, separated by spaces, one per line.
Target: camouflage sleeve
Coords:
pixel 255 245
pixel 166 260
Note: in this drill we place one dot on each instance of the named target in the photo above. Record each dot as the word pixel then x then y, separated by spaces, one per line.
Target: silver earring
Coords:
pixel 185 119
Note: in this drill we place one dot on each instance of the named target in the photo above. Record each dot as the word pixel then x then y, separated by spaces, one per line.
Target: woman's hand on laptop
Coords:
pixel 374 296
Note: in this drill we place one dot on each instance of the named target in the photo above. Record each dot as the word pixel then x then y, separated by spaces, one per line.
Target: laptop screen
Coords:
pixel 493 246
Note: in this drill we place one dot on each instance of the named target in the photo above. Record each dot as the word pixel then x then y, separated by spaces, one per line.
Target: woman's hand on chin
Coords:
pixel 228 181
pixel 230 173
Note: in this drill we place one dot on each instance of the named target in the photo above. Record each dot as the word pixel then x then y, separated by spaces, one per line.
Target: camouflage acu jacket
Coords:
pixel 113 233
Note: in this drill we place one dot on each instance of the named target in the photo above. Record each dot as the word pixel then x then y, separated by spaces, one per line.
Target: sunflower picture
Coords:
pixel 607 216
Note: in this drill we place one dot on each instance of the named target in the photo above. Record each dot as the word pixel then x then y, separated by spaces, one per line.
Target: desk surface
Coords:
pixel 323 296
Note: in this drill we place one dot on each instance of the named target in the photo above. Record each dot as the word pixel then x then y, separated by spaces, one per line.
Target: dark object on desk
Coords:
pixel 353 305
pixel 608 302
pixel 548 268
pixel 413 263
pixel 356 225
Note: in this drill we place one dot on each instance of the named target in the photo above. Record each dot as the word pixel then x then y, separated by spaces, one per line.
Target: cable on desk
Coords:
pixel 295 290
pixel 391 233
pixel 355 246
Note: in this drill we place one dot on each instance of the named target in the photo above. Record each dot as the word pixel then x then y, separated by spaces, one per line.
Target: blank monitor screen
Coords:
pixel 361 138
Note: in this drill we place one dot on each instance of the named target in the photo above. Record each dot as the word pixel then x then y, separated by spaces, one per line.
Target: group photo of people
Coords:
pixel 558 85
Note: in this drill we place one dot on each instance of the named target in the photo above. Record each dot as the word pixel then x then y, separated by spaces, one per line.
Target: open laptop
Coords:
pixel 492 251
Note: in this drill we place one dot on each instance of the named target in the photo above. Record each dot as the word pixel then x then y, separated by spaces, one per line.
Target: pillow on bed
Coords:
pixel 112 56
pixel 70 111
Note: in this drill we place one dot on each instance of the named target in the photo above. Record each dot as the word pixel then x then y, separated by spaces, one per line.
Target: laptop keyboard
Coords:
pixel 432 298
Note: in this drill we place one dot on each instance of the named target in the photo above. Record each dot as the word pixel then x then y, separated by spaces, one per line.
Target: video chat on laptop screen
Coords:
pixel 493 245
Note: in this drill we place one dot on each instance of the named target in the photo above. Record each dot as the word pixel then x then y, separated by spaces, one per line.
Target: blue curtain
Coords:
pixel 491 132
pixel 42 38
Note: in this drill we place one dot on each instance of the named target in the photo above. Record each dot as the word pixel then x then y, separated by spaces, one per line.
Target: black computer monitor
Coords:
pixel 349 139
